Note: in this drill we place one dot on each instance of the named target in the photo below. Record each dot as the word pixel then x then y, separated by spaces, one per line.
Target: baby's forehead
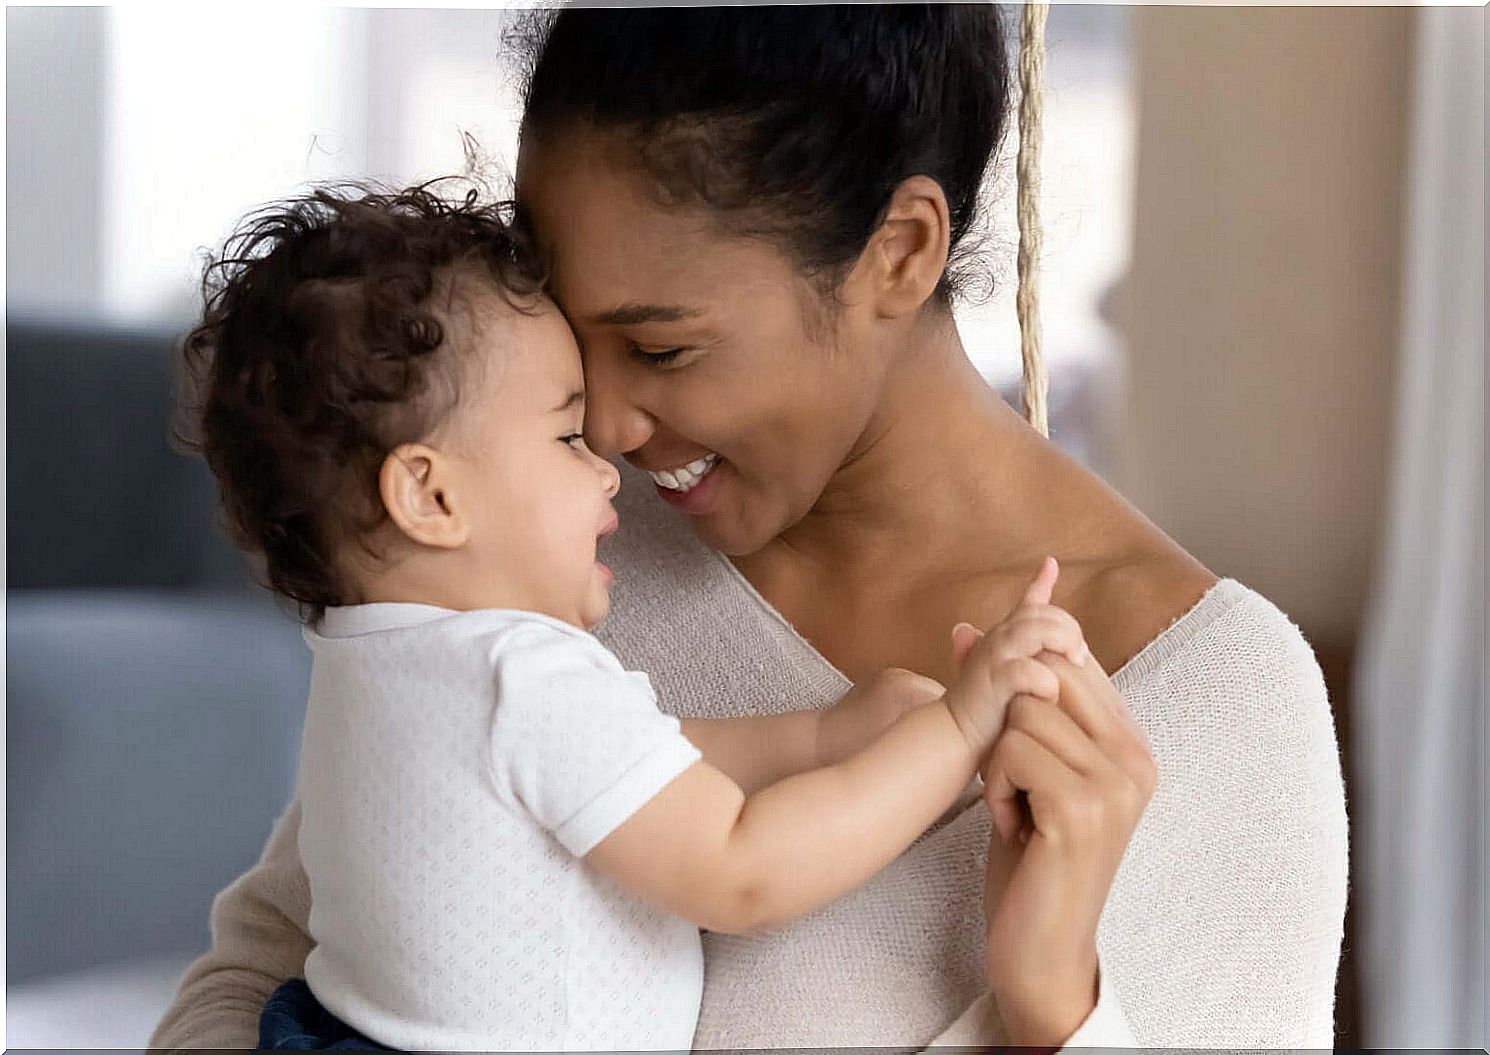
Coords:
pixel 472 299
pixel 525 351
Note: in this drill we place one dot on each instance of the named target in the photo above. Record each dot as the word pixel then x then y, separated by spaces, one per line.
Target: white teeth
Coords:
pixel 684 477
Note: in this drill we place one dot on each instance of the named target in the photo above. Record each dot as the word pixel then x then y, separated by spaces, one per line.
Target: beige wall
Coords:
pixel 1260 313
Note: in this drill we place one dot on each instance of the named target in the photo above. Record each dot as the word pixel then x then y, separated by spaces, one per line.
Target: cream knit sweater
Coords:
pixel 1223 927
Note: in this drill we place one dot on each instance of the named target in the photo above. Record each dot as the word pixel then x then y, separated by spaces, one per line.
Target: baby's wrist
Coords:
pixel 967 727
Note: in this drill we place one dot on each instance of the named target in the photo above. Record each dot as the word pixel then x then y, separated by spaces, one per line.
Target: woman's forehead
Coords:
pixel 609 264
pixel 573 194
pixel 617 255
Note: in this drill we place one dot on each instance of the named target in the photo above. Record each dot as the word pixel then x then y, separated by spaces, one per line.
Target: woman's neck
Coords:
pixel 946 476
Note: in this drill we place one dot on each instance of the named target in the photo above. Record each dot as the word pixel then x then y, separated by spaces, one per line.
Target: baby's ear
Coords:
pixel 416 485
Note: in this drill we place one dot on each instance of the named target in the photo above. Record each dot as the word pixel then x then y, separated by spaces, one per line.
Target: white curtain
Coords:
pixel 1420 792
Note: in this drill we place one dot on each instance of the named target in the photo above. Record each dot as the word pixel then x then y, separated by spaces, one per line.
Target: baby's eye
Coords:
pixel 572 438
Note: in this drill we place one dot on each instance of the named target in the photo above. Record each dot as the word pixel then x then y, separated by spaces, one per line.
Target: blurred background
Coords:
pixel 1263 301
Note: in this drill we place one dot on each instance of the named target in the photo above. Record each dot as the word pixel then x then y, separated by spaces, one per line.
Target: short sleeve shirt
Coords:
pixel 455 768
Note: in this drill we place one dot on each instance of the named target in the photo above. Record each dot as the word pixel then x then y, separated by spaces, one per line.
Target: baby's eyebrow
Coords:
pixel 575 398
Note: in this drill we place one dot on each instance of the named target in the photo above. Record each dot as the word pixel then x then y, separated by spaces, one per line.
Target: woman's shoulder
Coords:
pixel 1174 614
pixel 1232 686
pixel 1238 718
pixel 1128 603
pixel 1200 637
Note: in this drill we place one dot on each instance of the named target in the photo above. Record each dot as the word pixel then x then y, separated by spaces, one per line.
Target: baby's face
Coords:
pixel 537 499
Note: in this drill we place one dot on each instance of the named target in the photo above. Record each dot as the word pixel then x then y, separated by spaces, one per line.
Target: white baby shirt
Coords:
pixel 454 769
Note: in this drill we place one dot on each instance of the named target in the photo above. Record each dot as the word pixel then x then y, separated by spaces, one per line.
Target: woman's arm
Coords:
pixel 980 1025
pixel 259 939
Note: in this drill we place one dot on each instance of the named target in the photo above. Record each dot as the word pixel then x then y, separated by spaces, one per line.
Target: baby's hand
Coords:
pixel 1003 664
pixel 868 709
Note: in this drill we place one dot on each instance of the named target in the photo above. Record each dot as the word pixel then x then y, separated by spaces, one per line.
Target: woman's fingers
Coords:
pixel 1044 721
pixel 1043 753
pixel 1110 765
pixel 1008 818
pixel 1062 743
pixel 1099 709
pixel 1021 763
pixel 1086 703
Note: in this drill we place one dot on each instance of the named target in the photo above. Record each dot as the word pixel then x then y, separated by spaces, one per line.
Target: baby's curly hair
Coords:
pixel 325 343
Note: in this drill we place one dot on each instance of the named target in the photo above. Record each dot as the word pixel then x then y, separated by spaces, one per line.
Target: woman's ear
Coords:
pixel 417 487
pixel 907 254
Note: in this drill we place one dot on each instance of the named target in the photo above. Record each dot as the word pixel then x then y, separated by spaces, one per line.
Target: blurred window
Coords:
pixel 174 123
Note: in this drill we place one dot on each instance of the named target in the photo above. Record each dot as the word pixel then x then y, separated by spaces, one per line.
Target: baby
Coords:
pixel 508 844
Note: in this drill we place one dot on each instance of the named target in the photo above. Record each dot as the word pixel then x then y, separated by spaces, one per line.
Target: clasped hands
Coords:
pixel 1067 777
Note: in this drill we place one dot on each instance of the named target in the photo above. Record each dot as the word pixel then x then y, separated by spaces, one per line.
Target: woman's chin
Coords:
pixel 725 537
pixel 735 532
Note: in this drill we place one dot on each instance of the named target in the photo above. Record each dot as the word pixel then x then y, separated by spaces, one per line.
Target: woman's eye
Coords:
pixel 656 358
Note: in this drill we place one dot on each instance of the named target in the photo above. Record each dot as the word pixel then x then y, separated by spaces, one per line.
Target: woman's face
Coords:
pixel 700 350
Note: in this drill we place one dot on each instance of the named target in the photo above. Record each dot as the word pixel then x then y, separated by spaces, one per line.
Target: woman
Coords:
pixel 750 215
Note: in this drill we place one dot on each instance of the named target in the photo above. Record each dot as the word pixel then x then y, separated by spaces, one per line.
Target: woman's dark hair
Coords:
pixel 326 342
pixel 793 123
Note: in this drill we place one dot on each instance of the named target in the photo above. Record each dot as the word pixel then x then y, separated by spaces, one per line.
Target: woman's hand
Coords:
pixel 868 709
pixel 1066 784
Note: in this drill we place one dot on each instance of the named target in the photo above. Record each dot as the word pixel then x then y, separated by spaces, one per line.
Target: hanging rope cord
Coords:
pixel 1027 299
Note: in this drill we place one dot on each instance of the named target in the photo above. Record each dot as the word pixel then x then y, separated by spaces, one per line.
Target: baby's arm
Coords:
pixel 758 750
pixel 704 850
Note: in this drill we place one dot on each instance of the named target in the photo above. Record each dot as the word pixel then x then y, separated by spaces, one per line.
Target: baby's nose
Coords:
pixel 610 478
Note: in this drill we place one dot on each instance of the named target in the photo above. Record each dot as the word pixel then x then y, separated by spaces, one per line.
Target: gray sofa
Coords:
pixel 154 695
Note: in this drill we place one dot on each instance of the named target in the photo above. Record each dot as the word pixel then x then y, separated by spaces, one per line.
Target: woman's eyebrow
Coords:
pixel 634 314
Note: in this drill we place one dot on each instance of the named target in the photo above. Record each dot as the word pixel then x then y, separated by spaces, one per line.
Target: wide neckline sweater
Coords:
pixel 1223 927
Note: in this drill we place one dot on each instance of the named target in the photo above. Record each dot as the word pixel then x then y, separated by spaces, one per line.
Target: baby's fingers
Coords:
pixel 1025 675
pixel 1031 631
pixel 1040 590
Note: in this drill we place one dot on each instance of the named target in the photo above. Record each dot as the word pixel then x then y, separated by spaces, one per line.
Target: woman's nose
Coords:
pixel 613 423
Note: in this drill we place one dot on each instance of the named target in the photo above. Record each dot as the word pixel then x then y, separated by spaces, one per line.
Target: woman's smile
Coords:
pixel 690 488
pixel 685 477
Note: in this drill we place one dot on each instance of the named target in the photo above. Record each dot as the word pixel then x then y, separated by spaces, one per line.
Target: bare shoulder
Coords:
pixel 1124 605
